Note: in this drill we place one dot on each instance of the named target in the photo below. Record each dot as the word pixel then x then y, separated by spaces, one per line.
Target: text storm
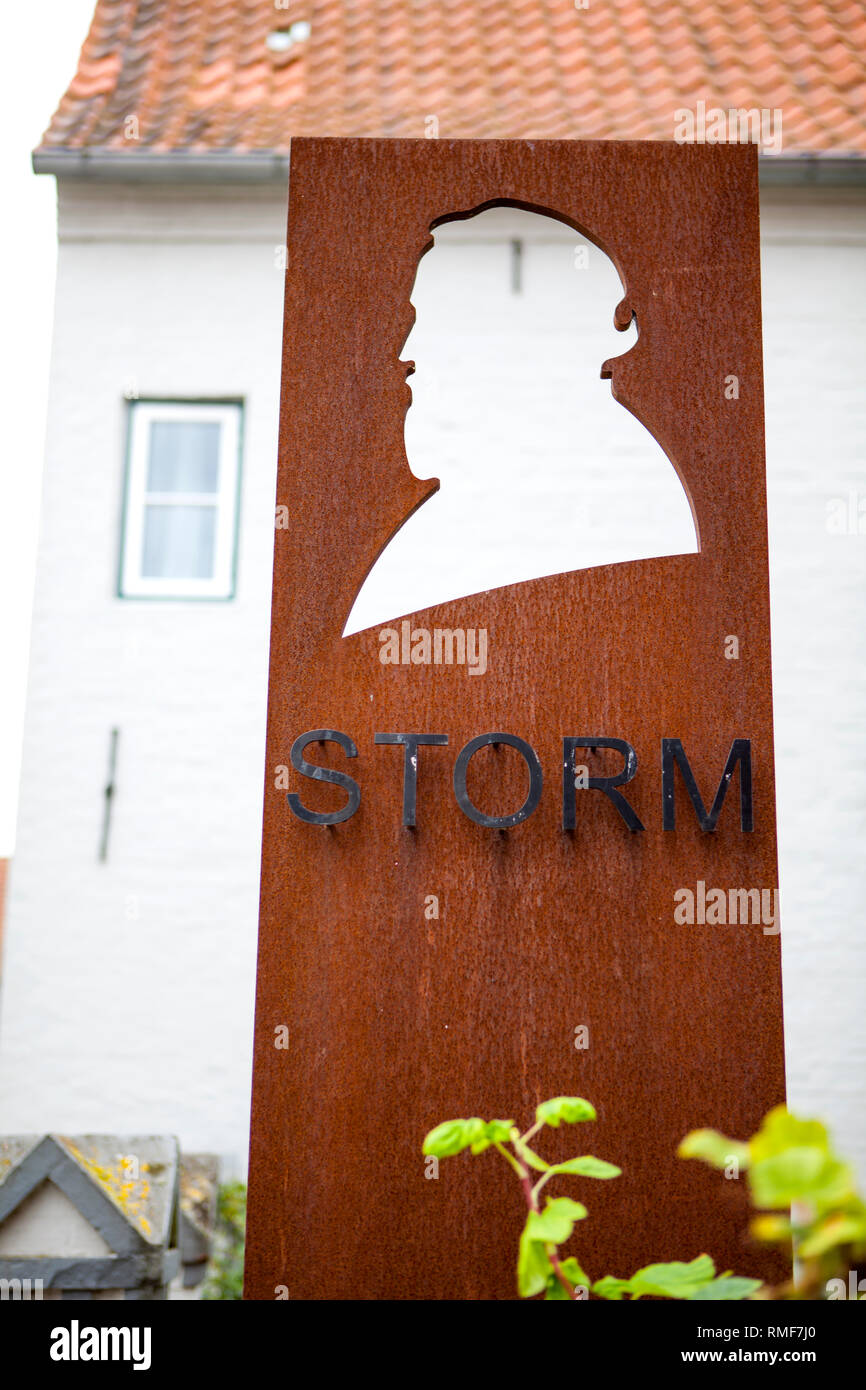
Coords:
pixel 575 777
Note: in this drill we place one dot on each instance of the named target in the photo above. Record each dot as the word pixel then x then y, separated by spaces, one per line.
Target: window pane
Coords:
pixel 178 542
pixel 183 456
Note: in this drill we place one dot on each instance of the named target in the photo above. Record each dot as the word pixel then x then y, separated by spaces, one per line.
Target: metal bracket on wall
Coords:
pixel 108 795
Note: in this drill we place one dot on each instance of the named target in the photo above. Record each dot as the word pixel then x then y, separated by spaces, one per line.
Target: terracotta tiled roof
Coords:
pixel 199 76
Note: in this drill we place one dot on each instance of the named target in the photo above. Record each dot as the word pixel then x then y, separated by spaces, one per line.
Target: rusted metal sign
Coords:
pixel 559 893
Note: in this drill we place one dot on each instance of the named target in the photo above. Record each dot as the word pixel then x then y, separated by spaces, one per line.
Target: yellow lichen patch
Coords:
pixel 130 1194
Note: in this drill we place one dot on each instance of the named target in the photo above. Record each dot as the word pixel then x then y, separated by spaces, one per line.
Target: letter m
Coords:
pixel 115 1343
pixel 673 755
pixel 744 125
pixel 455 639
pixel 744 906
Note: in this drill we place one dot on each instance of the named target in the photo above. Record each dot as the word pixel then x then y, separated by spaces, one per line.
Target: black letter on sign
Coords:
pixel 324 774
pixel 672 752
pixel 607 785
pixel 535 780
pixel 410 744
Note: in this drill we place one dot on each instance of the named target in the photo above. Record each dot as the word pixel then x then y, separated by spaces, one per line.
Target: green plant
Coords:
pixel 540 1267
pixel 803 1193
pixel 226 1274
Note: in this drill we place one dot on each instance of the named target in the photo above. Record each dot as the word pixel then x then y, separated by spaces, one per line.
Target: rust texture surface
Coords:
pixel 397 1022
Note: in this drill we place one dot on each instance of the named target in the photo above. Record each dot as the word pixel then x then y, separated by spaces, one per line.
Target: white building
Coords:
pixel 131 930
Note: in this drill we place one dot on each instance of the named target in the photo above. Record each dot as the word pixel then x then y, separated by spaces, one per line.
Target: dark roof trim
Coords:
pixel 118 166
pixel 262 167
pixel 824 169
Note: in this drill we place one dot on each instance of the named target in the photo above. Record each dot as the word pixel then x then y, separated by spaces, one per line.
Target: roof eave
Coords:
pixel 163 167
pixel 261 166
pixel 828 170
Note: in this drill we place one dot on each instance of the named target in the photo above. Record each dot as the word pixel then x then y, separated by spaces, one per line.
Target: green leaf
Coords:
pixel 494 1132
pixel 573 1272
pixel 568 1109
pixel 554 1292
pixel 533 1266
pixel 452 1137
pixel 611 1288
pixel 674 1280
pixel 770 1228
pixel 556 1222
pixel 839 1229
pixel 780 1131
pixel 498 1131
pixel 714 1148
pixel 728 1289
pixel 792 1162
pixel 587 1167
pixel 803 1173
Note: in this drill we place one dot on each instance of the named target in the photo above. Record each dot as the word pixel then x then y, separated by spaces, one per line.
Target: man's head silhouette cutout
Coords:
pixel 541 470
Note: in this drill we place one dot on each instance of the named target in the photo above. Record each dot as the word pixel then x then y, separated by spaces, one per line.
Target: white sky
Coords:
pixel 41 44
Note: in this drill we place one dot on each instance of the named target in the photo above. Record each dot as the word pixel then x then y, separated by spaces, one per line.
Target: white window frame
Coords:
pixel 133 584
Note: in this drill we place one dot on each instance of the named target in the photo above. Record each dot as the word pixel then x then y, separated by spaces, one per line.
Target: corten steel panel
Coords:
pixel 397 1022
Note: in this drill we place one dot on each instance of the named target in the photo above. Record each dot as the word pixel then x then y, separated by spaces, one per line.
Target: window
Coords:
pixel 180 518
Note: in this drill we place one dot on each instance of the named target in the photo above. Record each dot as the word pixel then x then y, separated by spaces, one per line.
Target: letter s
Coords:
pixel 324 774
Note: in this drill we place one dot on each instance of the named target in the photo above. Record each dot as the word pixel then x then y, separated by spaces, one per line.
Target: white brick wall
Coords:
pixel 128 986
pixel 814 291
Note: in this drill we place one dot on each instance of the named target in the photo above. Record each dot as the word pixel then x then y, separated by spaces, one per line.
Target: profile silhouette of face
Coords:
pixel 541 470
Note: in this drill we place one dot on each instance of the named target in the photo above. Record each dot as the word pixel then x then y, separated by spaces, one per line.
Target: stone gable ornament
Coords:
pixel 609 761
pixel 87 1216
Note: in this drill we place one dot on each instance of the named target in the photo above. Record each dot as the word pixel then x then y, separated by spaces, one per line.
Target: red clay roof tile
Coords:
pixel 200 76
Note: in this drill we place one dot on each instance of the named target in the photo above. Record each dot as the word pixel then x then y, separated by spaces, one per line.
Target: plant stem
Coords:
pixel 519 1170
pixel 533 1130
pixel 541 1181
pixel 558 1271
pixel 552 1255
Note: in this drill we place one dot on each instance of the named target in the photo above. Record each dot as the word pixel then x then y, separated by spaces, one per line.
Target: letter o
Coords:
pixel 535 780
